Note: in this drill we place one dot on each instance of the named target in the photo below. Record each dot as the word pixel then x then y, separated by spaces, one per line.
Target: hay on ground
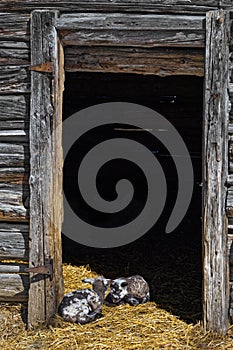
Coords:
pixel 143 327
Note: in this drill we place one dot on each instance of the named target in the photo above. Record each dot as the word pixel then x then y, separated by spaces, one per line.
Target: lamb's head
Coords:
pixel 119 289
pixel 99 285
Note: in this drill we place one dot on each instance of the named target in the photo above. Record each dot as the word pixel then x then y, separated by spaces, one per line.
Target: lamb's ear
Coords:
pixel 88 280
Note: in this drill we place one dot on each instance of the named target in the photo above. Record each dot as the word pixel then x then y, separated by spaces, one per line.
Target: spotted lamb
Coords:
pixel 133 290
pixel 84 305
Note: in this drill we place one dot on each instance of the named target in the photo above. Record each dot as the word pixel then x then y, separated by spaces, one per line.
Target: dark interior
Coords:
pixel 171 263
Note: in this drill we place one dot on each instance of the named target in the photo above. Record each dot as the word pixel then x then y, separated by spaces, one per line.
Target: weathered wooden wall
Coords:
pixel 134 42
pixel 215 170
pixel 14 154
pixel 146 57
pixel 230 184
pixel 174 6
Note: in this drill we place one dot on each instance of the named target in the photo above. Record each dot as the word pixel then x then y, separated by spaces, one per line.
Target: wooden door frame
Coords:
pixel 49 68
pixel 215 172
pixel 46 203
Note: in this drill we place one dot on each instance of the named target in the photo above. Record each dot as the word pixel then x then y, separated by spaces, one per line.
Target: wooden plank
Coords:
pixel 230 254
pixel 14 53
pixel 14 175
pixel 229 203
pixel 14 79
pixel 13 287
pixel 14 202
pixel 230 128
pixel 14 120
pixel 163 62
pixel 14 241
pixel 230 180
pixel 14 135
pixel 189 6
pixel 13 126
pixel 14 155
pixel 230 152
pixel 14 107
pixel 46 167
pixel 215 252
pixel 133 22
pixel 14 26
pixel 231 302
pixel 226 4
pixel 12 268
pixel 131 30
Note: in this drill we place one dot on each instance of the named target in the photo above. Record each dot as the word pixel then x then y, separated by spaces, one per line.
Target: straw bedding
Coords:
pixel 171 320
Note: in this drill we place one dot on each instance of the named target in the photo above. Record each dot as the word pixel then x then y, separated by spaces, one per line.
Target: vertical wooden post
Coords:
pixel 215 168
pixel 46 211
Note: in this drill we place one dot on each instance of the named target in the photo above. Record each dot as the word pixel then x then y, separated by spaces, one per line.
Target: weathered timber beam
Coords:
pixel 131 30
pixel 230 154
pixel 46 205
pixel 13 287
pixel 215 159
pixel 14 175
pixel 14 26
pixel 13 125
pixel 14 155
pixel 230 254
pixel 133 22
pixel 14 135
pixel 14 202
pixel 226 4
pixel 13 268
pixel 14 79
pixel 14 107
pixel 173 6
pixel 14 241
pixel 14 53
pixel 162 62
pixel 14 118
pixel 229 202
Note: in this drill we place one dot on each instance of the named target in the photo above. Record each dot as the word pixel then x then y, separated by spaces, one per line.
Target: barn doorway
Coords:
pixel 172 263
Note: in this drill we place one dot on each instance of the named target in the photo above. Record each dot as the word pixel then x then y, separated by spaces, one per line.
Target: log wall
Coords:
pixel 126 41
pixel 14 154
pixel 106 55
pixel 230 185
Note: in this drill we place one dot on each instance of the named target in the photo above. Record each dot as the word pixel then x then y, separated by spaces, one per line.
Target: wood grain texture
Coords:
pixel 14 175
pixel 14 241
pixel 12 268
pixel 230 254
pixel 14 120
pixel 14 191
pixel 14 53
pixel 14 26
pixel 229 203
pixel 162 62
pixel 14 155
pixel 215 250
pixel 14 135
pixel 14 200
pixel 14 79
pixel 46 168
pixel 133 22
pixel 173 6
pixel 230 154
pixel 14 107
pixel 13 287
pixel 131 30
